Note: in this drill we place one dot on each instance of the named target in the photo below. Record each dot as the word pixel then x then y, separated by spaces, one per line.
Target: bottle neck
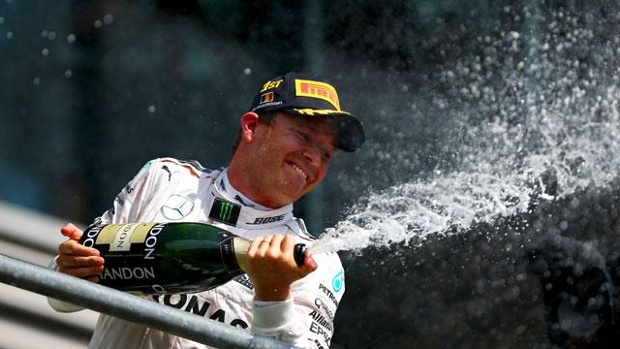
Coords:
pixel 241 246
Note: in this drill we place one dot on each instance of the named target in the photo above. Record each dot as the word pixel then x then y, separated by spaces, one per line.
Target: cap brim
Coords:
pixel 350 129
pixel 350 132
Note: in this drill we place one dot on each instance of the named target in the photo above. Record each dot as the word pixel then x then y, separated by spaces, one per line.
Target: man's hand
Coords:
pixel 271 266
pixel 76 259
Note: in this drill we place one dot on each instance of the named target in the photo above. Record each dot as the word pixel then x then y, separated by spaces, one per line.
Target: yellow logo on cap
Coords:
pixel 270 85
pixel 316 89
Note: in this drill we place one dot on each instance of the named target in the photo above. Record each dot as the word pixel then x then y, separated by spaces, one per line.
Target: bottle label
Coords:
pixel 129 252
pixel 120 236
pixel 129 273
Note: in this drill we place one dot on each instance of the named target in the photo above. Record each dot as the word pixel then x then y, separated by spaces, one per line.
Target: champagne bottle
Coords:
pixel 169 257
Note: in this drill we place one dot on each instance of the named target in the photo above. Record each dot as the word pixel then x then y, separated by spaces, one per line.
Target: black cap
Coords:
pixel 304 95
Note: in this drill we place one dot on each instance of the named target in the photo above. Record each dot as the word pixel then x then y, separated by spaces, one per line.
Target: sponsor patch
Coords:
pixel 338 281
pixel 177 207
pixel 315 89
pixel 329 294
pixel 271 85
pixel 266 98
pixel 267 220
pixel 225 212
pixel 315 328
pixel 245 281
pixel 324 307
pixel 199 306
pixel 321 320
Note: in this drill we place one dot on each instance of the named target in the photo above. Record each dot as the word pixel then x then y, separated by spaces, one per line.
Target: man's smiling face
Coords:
pixel 291 156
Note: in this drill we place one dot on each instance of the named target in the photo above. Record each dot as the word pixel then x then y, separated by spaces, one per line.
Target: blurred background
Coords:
pixel 506 107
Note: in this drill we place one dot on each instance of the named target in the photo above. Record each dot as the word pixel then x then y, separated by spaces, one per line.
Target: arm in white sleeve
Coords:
pixel 305 319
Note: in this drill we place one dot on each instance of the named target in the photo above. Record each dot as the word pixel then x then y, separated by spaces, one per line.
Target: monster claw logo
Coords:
pixel 225 211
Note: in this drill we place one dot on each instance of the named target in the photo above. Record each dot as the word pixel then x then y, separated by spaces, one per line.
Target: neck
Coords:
pixel 238 178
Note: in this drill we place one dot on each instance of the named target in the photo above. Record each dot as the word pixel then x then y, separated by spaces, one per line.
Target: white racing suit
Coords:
pixel 169 190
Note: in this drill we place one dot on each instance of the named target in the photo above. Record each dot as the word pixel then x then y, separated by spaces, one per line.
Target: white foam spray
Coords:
pixel 571 136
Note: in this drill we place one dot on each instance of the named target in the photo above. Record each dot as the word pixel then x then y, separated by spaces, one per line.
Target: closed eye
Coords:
pixel 307 139
pixel 302 135
pixel 326 155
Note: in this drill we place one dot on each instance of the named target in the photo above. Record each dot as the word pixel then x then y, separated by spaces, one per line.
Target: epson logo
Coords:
pixel 266 220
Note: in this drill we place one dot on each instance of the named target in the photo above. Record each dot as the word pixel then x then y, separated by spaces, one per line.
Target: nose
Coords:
pixel 313 154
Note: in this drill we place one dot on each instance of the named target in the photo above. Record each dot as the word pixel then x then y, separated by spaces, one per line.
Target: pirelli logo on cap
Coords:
pixel 315 89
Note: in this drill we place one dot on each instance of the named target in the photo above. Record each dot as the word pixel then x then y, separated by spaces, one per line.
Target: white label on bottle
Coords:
pixel 122 239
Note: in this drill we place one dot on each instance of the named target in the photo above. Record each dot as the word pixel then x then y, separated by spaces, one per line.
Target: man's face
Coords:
pixel 291 156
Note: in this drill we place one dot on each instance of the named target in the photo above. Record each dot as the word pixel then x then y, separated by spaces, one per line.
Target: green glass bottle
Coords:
pixel 169 257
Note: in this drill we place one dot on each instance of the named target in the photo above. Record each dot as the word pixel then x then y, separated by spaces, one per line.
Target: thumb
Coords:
pixel 310 264
pixel 71 231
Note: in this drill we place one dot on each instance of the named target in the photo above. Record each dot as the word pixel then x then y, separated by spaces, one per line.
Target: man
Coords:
pixel 282 152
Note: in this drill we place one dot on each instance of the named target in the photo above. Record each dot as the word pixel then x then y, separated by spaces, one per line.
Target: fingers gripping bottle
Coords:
pixel 169 257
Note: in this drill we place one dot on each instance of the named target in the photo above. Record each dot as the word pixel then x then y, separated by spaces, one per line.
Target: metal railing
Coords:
pixel 63 287
pixel 25 317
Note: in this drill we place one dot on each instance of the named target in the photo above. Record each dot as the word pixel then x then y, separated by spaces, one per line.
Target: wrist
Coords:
pixel 271 294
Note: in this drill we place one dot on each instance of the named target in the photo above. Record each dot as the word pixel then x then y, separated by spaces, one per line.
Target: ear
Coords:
pixel 249 122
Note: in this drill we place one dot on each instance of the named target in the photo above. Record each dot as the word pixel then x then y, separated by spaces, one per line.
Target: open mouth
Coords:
pixel 300 171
